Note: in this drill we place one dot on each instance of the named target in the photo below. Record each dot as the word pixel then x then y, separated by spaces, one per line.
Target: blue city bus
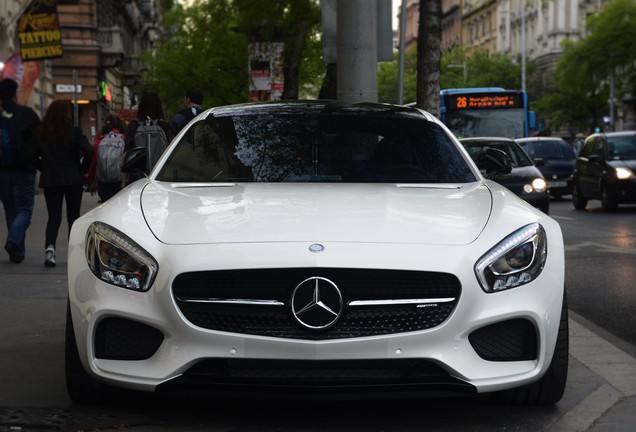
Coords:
pixel 486 111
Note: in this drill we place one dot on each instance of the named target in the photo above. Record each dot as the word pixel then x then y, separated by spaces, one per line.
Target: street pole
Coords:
pixel 523 50
pixel 357 51
pixel 75 107
pixel 401 58
pixel 522 13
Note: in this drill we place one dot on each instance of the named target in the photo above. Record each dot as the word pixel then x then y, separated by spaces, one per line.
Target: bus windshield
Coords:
pixel 497 123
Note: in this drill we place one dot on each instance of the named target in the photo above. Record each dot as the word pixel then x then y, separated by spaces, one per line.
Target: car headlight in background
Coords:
pixel 114 258
pixel 624 173
pixel 537 185
pixel 515 261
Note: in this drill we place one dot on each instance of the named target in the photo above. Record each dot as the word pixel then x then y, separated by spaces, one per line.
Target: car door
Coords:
pixel 590 167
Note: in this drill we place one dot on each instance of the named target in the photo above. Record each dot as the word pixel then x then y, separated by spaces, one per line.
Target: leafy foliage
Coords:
pixel 206 46
pixel 585 70
pixel 483 69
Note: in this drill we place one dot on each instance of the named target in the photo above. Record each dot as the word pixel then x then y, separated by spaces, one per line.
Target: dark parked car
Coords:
pixel 605 170
pixel 555 159
pixel 525 180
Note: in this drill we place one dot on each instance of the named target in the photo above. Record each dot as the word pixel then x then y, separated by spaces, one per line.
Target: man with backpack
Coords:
pixel 192 100
pixel 149 131
pixel 17 169
pixel 104 174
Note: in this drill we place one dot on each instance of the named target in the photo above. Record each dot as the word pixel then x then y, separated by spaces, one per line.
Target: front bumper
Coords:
pixel 165 351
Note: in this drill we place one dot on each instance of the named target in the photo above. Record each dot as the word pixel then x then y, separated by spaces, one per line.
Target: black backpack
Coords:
pixel 152 137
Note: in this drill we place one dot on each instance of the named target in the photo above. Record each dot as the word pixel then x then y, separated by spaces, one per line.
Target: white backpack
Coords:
pixel 109 153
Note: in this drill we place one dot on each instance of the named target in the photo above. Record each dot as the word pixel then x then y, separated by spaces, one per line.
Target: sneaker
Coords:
pixel 49 255
pixel 14 252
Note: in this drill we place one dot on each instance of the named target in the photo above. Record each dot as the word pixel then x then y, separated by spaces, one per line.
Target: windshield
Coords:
pixel 477 152
pixel 507 123
pixel 315 147
pixel 622 147
pixel 552 149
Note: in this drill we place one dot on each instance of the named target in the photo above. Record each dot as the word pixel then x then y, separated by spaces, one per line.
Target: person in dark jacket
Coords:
pixel 192 101
pixel 17 173
pixel 150 109
pixel 63 156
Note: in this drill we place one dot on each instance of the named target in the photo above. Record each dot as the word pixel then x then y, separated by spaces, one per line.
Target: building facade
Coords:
pixel 103 42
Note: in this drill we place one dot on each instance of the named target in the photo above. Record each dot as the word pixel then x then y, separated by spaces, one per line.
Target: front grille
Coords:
pixel 277 285
pixel 512 340
pixel 123 339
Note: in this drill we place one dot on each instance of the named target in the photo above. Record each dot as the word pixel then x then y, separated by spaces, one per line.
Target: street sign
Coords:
pixel 67 88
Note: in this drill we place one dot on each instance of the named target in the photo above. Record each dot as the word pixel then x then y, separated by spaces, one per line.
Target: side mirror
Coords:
pixel 539 162
pixel 496 162
pixel 134 161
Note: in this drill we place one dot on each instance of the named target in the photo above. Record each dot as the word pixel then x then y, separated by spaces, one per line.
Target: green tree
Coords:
pixel 206 46
pixel 587 68
pixel 297 24
pixel 388 78
pixel 483 69
pixel 201 48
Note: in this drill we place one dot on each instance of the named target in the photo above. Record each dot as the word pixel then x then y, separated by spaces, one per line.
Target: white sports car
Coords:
pixel 317 248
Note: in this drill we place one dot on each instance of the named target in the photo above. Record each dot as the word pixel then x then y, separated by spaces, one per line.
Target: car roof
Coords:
pixel 482 139
pixel 538 139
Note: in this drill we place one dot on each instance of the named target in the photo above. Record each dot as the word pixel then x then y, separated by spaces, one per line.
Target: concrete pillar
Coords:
pixel 357 51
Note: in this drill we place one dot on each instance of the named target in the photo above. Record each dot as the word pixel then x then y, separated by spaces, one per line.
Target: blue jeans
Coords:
pixel 17 190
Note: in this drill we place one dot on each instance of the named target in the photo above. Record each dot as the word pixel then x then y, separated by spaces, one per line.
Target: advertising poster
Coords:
pixel 39 31
pixel 266 71
pixel 24 73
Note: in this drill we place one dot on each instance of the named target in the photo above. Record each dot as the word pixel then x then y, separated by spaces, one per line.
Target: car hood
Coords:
pixel 557 166
pixel 628 163
pixel 519 175
pixel 289 212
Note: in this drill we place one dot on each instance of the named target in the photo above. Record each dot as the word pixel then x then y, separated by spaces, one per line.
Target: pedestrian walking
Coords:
pixel 150 130
pixel 192 101
pixel 104 174
pixel 17 172
pixel 63 156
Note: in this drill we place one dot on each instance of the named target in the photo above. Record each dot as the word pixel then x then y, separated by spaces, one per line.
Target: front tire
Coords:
pixel 79 385
pixel 608 202
pixel 550 388
pixel 579 201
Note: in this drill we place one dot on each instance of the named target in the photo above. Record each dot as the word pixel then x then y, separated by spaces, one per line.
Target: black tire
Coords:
pixel 608 202
pixel 79 385
pixel 579 201
pixel 550 388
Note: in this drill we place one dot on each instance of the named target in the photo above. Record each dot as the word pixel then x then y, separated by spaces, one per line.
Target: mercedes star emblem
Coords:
pixel 316 303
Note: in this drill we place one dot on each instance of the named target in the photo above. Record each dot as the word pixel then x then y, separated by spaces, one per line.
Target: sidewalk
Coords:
pixel 35 235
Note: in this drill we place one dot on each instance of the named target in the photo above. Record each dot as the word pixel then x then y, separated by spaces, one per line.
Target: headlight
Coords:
pixel 623 173
pixel 537 185
pixel 116 259
pixel 515 261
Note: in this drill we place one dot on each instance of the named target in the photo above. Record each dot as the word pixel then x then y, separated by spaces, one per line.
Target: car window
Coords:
pixel 517 156
pixel 315 148
pixel 621 147
pixel 549 149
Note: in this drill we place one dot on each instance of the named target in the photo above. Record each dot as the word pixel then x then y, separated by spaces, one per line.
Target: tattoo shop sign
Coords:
pixel 39 31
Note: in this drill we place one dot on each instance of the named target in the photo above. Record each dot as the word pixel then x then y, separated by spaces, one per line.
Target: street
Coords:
pixel 600 252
